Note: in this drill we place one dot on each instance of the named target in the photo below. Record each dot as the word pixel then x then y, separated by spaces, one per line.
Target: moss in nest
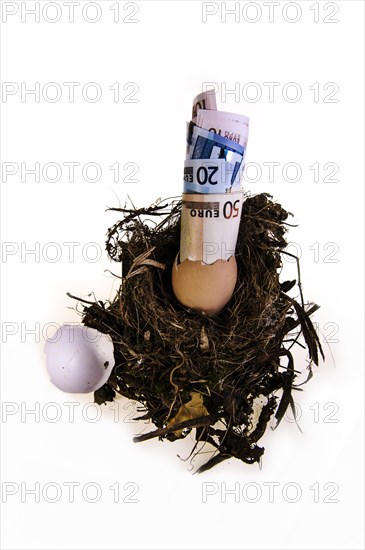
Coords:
pixel 193 371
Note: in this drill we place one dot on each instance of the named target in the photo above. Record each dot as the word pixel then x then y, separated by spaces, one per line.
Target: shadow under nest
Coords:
pixel 194 371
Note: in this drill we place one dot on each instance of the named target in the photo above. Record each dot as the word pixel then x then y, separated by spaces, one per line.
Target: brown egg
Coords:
pixel 204 287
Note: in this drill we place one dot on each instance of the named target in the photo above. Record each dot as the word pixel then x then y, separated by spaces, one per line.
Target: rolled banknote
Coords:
pixel 209 226
pixel 213 163
pixel 212 197
pixel 202 143
pixel 205 100
pixel 229 125
pixel 212 175
pixel 204 273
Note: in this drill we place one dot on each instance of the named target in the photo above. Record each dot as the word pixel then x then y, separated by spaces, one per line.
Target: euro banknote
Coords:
pixel 213 163
pixel 205 100
pixel 215 151
pixel 209 226
pixel 229 125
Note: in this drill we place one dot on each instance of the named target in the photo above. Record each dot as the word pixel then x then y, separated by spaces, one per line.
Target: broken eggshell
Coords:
pixel 79 359
pixel 206 288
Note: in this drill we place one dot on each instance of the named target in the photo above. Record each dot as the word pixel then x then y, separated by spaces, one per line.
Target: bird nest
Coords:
pixel 222 377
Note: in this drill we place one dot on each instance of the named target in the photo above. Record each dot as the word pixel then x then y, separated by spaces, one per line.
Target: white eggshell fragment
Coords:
pixel 79 359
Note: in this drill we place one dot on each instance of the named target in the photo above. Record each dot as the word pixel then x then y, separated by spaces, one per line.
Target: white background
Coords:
pixel 169 53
